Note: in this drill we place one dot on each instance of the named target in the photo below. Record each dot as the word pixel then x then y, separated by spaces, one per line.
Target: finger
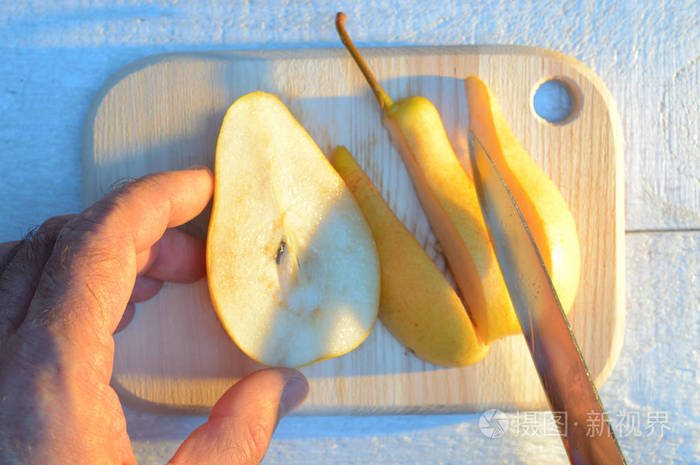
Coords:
pixel 176 257
pixel 88 279
pixel 242 421
pixel 144 288
pixel 21 272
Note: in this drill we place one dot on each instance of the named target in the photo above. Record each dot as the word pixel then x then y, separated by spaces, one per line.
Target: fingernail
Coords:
pixel 294 393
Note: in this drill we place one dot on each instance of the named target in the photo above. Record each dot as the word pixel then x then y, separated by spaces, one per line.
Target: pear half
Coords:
pixel 418 305
pixel 292 267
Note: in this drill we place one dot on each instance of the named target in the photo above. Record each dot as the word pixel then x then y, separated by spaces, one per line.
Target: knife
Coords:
pixel 558 360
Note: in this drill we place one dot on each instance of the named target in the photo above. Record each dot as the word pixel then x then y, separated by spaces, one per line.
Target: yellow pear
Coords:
pixel 449 199
pixel 417 304
pixel 542 205
pixel 292 267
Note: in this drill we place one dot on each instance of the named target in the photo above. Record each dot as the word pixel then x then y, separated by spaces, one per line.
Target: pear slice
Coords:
pixel 292 267
pixel 448 197
pixel 417 305
pixel 542 205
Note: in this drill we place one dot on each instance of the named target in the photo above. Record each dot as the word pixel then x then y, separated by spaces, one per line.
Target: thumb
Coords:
pixel 241 423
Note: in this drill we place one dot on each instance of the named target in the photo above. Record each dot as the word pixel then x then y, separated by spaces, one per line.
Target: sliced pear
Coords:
pixel 417 305
pixel 448 197
pixel 542 205
pixel 292 267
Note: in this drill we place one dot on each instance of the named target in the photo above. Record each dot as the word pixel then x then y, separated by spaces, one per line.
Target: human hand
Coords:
pixel 63 293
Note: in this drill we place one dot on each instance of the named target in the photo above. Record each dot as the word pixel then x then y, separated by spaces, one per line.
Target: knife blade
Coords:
pixel 585 428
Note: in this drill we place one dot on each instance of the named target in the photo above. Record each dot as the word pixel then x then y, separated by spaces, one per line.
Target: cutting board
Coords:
pixel 164 112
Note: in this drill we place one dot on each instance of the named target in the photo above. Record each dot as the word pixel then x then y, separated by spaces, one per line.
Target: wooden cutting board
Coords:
pixel 164 112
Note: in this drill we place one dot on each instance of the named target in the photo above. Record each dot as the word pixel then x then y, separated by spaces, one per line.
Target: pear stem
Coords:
pixel 384 100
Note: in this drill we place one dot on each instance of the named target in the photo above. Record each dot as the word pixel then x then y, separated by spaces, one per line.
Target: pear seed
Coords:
pixel 280 251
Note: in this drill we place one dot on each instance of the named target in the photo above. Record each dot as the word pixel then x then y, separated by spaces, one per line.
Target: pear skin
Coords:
pixel 448 197
pixel 542 205
pixel 417 304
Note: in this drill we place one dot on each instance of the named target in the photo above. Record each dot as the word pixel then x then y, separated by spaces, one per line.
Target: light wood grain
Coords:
pixel 164 112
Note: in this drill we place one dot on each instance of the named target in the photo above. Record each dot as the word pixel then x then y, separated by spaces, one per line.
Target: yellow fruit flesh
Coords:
pixel 292 267
pixel 417 304
pixel 539 200
pixel 449 199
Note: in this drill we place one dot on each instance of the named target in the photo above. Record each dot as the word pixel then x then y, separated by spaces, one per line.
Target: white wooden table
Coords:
pixel 55 56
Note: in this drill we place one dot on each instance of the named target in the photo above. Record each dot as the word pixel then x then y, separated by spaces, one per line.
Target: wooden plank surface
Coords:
pixel 164 112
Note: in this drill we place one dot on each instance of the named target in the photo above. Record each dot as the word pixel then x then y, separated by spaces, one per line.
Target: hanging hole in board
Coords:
pixel 556 100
